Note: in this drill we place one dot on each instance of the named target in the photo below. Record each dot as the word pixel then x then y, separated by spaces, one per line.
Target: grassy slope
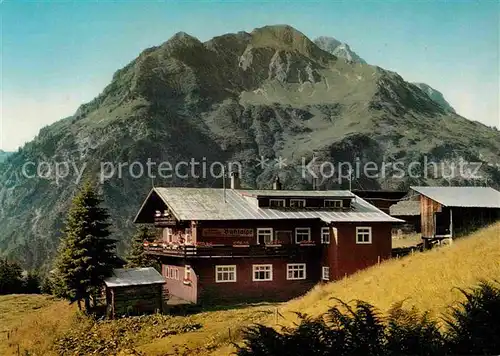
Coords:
pixel 426 280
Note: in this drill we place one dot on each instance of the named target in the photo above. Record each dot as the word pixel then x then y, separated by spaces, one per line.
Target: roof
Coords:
pixel 298 193
pixel 208 204
pixel 405 208
pixel 124 277
pixel 466 197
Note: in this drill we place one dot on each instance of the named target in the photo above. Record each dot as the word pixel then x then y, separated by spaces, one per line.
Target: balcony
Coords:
pixel 230 251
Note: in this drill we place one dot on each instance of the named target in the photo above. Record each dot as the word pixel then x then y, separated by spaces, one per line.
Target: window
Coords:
pixel 226 273
pixel 168 235
pixel 187 273
pixel 262 273
pixel 187 233
pixel 325 273
pixel 297 203
pixel 277 203
pixel 296 271
pixel 302 234
pixel 264 235
pixel 363 235
pixel 172 272
pixel 325 235
pixel 333 203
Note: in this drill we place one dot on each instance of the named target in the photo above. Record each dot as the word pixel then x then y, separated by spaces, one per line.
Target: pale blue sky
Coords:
pixel 55 55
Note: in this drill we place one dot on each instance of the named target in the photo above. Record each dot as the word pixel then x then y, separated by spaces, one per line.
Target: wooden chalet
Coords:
pixel 134 291
pixel 229 245
pixel 446 212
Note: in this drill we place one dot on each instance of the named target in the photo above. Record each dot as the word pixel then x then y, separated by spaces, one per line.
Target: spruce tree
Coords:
pixel 136 256
pixel 86 254
pixel 10 277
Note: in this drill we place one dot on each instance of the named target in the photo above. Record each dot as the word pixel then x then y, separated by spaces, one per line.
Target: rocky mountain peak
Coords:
pixel 338 49
pixel 436 96
pixel 287 38
pixel 327 43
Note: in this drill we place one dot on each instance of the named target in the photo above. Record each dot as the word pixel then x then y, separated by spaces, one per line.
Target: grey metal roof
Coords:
pixel 299 193
pixel 209 204
pixel 405 208
pixel 467 197
pixel 123 277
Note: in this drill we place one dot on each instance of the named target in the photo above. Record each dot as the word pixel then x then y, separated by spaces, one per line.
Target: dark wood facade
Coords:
pixel 280 245
pixel 342 255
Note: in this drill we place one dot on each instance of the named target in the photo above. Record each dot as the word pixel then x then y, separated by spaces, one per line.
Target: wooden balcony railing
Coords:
pixel 164 221
pixel 190 251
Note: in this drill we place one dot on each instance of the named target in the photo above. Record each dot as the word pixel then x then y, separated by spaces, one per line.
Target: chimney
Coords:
pixel 277 184
pixel 235 180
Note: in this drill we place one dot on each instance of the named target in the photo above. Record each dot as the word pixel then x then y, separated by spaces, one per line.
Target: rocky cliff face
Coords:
pixel 271 100
pixel 342 50
pixel 435 95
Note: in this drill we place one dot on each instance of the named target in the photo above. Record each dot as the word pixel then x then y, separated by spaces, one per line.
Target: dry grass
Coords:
pixel 32 322
pixel 425 280
pixel 406 240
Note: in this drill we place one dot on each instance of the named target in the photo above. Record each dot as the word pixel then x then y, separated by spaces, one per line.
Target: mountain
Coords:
pixel 270 93
pixel 4 155
pixel 435 95
pixel 338 49
pixel 342 50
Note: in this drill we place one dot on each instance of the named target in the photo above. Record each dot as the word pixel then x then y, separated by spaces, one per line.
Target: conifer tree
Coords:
pixel 136 256
pixel 86 254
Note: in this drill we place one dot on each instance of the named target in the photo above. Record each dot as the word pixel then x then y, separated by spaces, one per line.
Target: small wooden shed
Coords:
pixel 134 291
pixel 447 212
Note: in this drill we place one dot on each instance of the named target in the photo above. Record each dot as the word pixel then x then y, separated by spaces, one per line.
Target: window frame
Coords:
pixel 303 201
pixel 290 266
pixel 187 272
pixel 323 240
pixel 358 232
pixel 254 269
pixel 302 228
pixel 277 200
pixel 169 234
pixel 271 234
pixel 229 280
pixel 333 200
pixel 325 277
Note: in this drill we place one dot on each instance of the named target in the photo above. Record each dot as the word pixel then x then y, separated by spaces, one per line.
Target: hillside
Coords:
pixel 237 97
pixel 4 155
pixel 435 95
pixel 344 51
pixel 426 280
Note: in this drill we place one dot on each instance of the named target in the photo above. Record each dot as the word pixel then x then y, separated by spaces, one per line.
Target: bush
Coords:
pixel 473 328
pixel 10 277
pixel 474 325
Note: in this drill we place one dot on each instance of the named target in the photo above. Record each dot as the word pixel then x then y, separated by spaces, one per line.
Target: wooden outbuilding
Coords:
pixel 447 212
pixel 134 291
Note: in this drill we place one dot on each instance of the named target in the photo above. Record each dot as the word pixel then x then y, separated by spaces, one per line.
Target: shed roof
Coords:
pixel 209 204
pixel 466 197
pixel 124 277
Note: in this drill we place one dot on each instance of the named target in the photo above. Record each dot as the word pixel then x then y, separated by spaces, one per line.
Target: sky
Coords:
pixel 57 55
